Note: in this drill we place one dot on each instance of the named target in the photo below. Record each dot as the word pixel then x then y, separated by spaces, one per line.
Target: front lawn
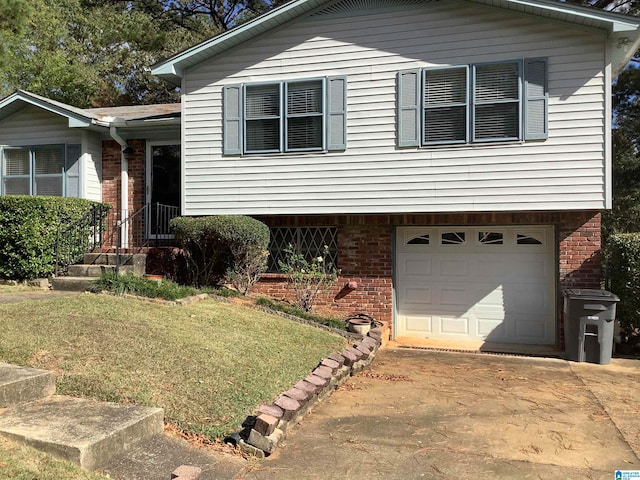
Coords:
pixel 208 365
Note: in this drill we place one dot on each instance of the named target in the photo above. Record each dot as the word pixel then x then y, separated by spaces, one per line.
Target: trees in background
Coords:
pixel 98 53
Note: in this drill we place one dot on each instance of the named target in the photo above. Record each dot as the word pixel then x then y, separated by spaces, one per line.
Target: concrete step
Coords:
pixel 138 260
pixel 87 432
pixel 95 271
pixel 71 284
pixel 22 384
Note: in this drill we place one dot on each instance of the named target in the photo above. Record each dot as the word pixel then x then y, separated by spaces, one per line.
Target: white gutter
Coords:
pixel 124 178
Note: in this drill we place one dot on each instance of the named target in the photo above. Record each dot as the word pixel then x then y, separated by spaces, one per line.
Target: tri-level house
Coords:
pixel 454 155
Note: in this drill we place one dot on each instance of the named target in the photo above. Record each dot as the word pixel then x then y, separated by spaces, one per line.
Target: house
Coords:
pixel 454 155
pixel 50 148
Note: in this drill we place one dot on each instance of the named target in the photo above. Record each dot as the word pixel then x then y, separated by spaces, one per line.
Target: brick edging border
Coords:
pixel 263 432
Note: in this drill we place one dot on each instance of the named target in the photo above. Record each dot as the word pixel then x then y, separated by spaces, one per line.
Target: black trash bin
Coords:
pixel 589 324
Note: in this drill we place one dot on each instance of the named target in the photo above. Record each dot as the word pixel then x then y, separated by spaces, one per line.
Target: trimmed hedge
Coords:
pixel 234 245
pixel 28 231
pixel 622 276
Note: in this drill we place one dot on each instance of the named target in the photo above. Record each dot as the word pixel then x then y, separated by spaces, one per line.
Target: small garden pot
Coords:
pixel 359 325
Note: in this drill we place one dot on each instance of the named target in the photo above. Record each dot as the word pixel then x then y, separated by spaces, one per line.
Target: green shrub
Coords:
pixel 29 229
pixel 141 286
pixel 308 278
pixel 622 276
pixel 223 244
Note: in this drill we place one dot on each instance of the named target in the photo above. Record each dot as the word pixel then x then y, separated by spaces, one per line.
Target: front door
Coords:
pixel 163 187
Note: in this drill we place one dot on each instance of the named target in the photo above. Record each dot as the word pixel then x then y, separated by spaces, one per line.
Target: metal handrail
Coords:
pixel 139 233
pixel 75 239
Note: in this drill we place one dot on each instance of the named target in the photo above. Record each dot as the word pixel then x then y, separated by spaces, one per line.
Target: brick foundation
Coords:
pixel 365 253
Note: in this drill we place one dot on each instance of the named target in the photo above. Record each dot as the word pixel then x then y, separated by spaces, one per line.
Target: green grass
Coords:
pixel 208 365
pixel 298 312
pixel 18 462
pixel 18 288
pixel 143 287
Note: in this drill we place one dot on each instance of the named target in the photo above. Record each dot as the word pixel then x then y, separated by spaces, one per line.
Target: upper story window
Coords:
pixel 51 170
pixel 291 116
pixel 489 102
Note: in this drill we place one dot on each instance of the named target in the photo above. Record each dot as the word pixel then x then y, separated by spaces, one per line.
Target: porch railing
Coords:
pixel 75 239
pixel 103 230
pixel 146 227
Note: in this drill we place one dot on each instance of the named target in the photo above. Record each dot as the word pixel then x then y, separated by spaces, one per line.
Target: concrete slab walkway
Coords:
pixel 422 414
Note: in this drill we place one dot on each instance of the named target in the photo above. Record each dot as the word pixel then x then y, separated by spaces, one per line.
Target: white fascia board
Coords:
pixel 617 21
pixel 75 120
pixel 172 69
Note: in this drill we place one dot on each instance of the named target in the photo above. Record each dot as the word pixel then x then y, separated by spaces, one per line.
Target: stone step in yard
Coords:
pixel 94 271
pixel 87 432
pixel 22 384
pixel 136 260
pixel 71 284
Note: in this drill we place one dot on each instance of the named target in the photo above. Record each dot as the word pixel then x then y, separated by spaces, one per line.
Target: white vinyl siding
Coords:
pixel 372 175
pixel 92 167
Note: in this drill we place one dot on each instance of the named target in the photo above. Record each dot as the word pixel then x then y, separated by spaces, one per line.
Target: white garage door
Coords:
pixel 476 283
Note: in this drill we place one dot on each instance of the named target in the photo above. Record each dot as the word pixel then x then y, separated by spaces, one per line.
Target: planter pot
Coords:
pixel 359 325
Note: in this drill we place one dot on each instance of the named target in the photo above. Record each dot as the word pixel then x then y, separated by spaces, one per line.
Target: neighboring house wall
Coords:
pixel 365 253
pixel 374 176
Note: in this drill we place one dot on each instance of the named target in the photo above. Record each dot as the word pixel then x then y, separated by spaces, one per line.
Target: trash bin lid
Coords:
pixel 591 294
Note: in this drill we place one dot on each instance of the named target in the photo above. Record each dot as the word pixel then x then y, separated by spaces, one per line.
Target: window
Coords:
pixel 293 116
pixel 310 241
pixel 487 102
pixel 51 170
pixel 452 238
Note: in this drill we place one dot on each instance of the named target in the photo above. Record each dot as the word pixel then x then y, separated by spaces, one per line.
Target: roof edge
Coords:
pixel 172 68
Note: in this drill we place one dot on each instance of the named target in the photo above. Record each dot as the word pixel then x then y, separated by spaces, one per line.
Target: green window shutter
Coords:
pixel 409 108
pixel 72 170
pixel 232 126
pixel 536 95
pixel 337 113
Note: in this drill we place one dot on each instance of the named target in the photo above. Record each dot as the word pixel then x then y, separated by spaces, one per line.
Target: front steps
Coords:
pixel 21 384
pixel 93 265
pixel 87 432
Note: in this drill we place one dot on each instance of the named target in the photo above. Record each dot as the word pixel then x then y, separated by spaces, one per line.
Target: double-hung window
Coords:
pixel 51 170
pixel 293 116
pixel 478 103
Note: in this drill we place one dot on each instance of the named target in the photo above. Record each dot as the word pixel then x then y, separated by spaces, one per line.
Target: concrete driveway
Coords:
pixel 424 414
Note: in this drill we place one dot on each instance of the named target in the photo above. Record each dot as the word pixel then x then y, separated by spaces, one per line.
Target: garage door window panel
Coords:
pixel 453 238
pixel 490 238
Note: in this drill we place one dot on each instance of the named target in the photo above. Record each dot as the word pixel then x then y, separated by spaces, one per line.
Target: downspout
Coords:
pixel 124 182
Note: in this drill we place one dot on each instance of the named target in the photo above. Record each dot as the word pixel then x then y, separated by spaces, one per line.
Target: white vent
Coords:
pixel 360 6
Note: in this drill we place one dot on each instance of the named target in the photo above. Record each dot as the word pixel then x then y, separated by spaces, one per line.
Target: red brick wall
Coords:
pixel 365 253
pixel 111 178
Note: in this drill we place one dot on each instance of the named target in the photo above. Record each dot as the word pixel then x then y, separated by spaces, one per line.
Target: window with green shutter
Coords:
pixel 488 102
pixel 49 170
pixel 292 116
